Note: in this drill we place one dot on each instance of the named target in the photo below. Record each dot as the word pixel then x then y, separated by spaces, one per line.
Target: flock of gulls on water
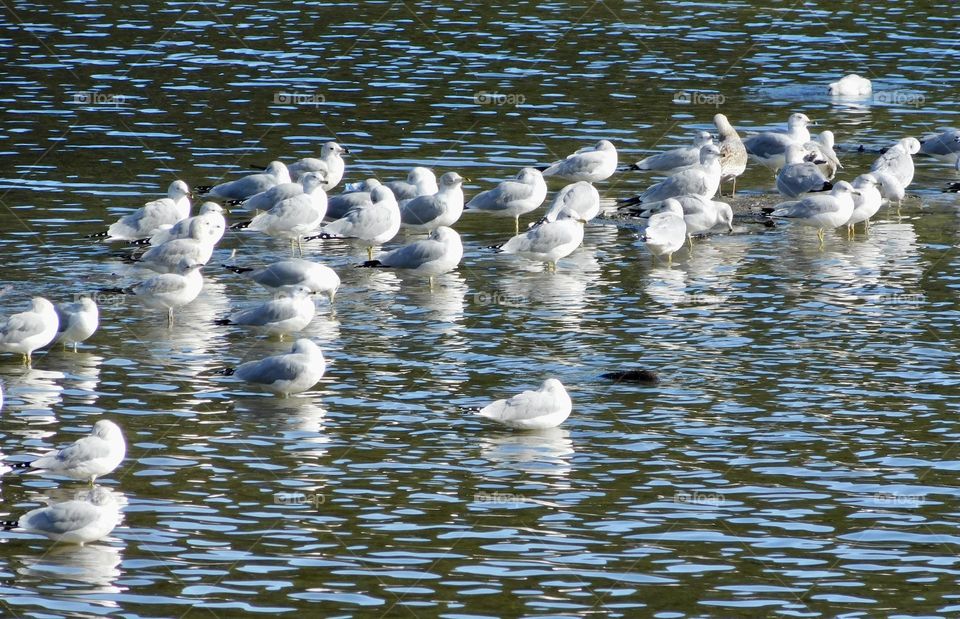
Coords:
pixel 291 202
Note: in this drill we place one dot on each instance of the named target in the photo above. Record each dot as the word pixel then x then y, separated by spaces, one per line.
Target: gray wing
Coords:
pixel 942 144
pixel 543 238
pixel 526 405
pixel 167 283
pixel 21 326
pixel 767 145
pixel 808 207
pixel 402 190
pixel 580 163
pixel 501 197
pixel 340 205
pixel 688 181
pixel 671 159
pixel 360 223
pixel 144 221
pixel 279 274
pixel 265 200
pixel 66 314
pixel 270 370
pixel 422 210
pixel 799 178
pixel 84 450
pixel 413 255
pixel 267 313
pixel 243 188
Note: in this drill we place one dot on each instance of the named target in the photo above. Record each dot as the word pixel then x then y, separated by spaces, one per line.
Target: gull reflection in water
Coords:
pixel 92 564
pixel 33 391
pixel 81 372
pixel 445 301
pixel 547 451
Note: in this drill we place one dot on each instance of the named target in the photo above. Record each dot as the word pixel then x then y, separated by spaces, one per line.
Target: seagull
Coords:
pixel 733 154
pixel 897 162
pixel 580 197
pixel 209 211
pixel 374 224
pixel 770 148
pixel 866 204
pixel 669 161
pixel 27 331
pixel 438 253
pixel 442 208
pixel 945 146
pixel 699 213
pixel 195 248
pixel 89 518
pixel 822 147
pixel 85 459
pixel 549 241
pixel 821 211
pixel 420 182
pixel 289 312
pixel 330 162
pixel 357 195
pixel 152 216
pixel 799 176
pixel 591 164
pixel 850 86
pixel 167 290
pixel 294 216
pixel 292 372
pixel 702 180
pixel 274 174
pixel 266 200
pixel 317 278
pixel 77 321
pixel 666 230
pixel 544 408
pixel 891 189
pixel 512 198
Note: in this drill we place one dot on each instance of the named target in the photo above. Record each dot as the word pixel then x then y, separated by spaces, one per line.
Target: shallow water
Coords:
pixel 798 457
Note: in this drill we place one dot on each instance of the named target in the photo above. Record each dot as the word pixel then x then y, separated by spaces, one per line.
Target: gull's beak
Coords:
pixel 346 150
pixel 465 179
pixel 583 221
pixel 856 193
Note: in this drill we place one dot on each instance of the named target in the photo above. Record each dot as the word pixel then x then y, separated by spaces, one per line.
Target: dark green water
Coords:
pixel 798 458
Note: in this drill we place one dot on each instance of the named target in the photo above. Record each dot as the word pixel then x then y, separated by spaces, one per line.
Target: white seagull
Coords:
pixel 512 198
pixel 439 253
pixel 78 321
pixel 85 459
pixel 544 408
pixel 591 164
pixel 442 208
pixel 292 372
pixel 27 331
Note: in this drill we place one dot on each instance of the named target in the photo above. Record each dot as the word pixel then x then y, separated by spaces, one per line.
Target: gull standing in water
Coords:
pixel 289 312
pixel 294 216
pixel 292 372
pixel 512 198
pixel 85 459
pixel 357 194
pixel 78 321
pixel 439 253
pixel 88 518
pixel 274 174
pixel 27 331
pixel 702 180
pixel 330 163
pixel 549 241
pixel 733 154
pixel 317 278
pixel 666 231
pixel 152 216
pixel 544 408
pixel 590 164
pixel 699 213
pixel 210 212
pixel 442 208
pixel 167 290
pixel 821 211
pixel 195 248
pixel 823 149
pixel 897 162
pixel 770 148
pixel 374 224
pixel 669 161
pixel 866 204
pixel 580 197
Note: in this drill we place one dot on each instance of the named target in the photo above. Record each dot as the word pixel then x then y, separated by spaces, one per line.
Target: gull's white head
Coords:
pixel 843 188
pixel 709 153
pixel 530 176
pixel 210 207
pixel 277 168
pixel 670 205
pixel 332 149
pixel 702 138
pixel 911 145
pixel 107 430
pixel 382 193
pixel 40 304
pixel 177 190
pixel 304 346
pixel 312 181
pixel 797 120
pixel 605 145
pixel 451 179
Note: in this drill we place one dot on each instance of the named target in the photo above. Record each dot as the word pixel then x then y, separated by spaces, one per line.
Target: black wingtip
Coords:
pixel 827 186
pixel 470 409
pixel 646 377
pixel 139 242
pixel 223 322
pixel 236 269
pixel 21 465
pixel 633 167
pixel 371 264
pixel 226 371
pixel 235 202
pixel 243 225
pixel 202 189
pixel 98 235
pixel 766 210
pixel 9 525
pixel 952 188
pixel 322 235
pixel 257 166
pixel 496 247
pixel 541 168
pixel 631 201
pixel 113 290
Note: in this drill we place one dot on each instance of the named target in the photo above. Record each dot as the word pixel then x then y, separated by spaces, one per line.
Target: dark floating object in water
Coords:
pixel 952 188
pixel 646 377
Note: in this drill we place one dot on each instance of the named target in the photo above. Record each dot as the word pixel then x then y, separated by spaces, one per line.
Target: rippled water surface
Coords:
pixel 798 457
